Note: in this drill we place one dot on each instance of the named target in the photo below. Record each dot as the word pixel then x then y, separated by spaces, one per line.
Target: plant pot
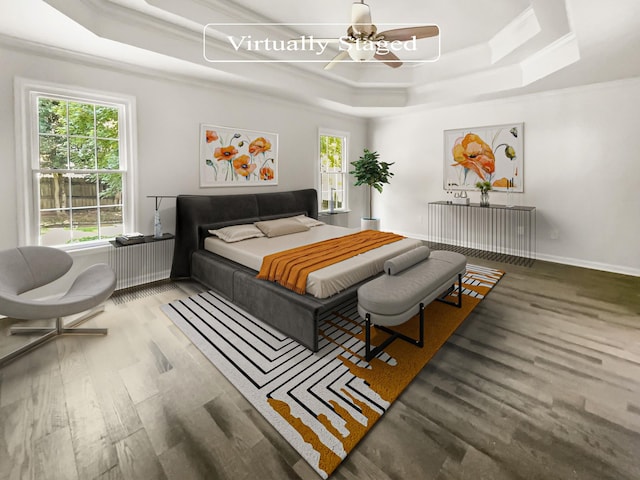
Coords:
pixel 369 224
pixel 484 199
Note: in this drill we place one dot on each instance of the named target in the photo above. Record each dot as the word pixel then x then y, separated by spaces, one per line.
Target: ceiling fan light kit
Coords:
pixel 362 51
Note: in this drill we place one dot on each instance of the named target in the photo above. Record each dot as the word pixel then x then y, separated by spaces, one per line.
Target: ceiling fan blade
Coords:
pixel 389 58
pixel 404 34
pixel 337 59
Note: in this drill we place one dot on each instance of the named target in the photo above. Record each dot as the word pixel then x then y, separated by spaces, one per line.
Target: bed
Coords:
pixel 231 270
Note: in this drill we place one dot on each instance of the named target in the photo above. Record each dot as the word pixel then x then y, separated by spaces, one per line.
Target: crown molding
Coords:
pixel 164 38
pixel 224 83
pixel 132 27
pixel 518 32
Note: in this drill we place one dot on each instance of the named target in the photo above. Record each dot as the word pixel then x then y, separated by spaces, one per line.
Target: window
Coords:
pixel 334 170
pixel 78 167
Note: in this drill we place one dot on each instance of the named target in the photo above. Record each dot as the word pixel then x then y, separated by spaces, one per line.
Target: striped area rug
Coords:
pixel 322 403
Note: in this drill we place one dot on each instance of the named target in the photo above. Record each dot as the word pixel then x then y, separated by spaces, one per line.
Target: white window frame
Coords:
pixel 346 168
pixel 26 92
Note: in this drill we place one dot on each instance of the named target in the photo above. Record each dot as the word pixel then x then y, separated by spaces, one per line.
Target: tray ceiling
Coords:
pixel 488 48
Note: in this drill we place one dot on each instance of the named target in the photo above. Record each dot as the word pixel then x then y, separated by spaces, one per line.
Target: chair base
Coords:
pixel 62 331
pixel 52 332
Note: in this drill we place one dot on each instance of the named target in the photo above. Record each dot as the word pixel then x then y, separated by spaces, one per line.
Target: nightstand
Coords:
pixel 340 219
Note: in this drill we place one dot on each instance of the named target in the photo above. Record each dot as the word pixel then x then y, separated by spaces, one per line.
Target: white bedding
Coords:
pixel 324 282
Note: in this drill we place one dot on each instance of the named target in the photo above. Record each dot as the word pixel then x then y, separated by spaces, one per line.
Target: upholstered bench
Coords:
pixel 410 282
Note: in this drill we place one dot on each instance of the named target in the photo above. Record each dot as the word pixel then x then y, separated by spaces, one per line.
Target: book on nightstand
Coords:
pixel 130 238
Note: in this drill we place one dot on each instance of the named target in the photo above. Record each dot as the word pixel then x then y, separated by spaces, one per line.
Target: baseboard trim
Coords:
pixel 574 262
pixel 577 262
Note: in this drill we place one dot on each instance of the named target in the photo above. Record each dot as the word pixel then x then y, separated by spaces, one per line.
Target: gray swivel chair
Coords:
pixel 25 268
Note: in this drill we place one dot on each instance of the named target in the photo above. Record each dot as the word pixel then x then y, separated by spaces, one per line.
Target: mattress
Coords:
pixel 324 282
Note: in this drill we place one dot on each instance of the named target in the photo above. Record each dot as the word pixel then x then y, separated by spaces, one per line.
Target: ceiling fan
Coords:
pixel 363 42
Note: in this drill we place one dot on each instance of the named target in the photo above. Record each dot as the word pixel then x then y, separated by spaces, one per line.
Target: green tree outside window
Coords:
pixel 81 182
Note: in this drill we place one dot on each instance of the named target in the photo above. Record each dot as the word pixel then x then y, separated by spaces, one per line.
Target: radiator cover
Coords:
pixel 141 263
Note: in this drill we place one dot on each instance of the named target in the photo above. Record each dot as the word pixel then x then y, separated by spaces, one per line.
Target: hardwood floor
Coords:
pixel 542 381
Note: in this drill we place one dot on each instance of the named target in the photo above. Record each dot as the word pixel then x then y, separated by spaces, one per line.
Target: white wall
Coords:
pixel 581 169
pixel 169 112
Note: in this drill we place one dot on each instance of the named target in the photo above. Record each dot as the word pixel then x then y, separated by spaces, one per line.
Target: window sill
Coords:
pixel 335 212
pixel 86 249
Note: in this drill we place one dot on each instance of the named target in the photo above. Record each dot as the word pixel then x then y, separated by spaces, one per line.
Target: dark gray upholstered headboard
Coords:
pixel 195 214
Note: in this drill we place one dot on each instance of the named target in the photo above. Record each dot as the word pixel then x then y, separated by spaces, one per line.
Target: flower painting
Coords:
pixel 234 157
pixel 484 154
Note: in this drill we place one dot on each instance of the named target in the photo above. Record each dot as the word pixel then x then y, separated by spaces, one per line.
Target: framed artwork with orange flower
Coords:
pixel 493 154
pixel 234 157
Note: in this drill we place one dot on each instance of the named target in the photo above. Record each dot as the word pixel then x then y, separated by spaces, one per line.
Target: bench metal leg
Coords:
pixel 369 353
pixel 457 303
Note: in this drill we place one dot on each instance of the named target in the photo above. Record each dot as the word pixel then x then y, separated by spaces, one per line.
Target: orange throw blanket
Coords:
pixel 290 268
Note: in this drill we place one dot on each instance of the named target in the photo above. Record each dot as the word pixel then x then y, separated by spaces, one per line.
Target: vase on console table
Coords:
pixel 157 226
pixel 484 188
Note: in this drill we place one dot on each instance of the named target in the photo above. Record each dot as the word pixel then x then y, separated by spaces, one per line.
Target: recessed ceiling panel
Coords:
pixel 468 22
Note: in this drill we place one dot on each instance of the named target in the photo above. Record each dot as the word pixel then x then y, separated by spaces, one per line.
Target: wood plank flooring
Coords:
pixel 542 381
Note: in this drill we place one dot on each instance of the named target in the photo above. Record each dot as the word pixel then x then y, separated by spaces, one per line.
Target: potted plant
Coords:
pixel 484 188
pixel 369 170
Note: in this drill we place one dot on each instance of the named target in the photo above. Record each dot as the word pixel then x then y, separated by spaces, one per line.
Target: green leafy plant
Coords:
pixel 484 187
pixel 369 170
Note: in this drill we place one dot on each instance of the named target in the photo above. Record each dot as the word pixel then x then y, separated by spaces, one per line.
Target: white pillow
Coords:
pixel 281 226
pixel 235 233
pixel 308 221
